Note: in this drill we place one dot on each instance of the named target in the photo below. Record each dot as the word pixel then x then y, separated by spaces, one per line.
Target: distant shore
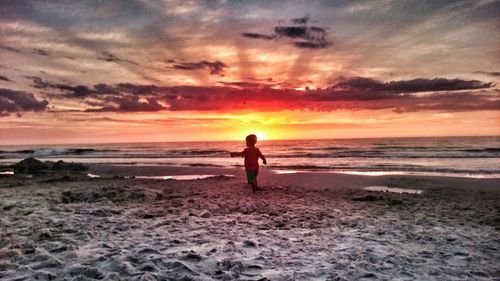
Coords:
pixel 302 226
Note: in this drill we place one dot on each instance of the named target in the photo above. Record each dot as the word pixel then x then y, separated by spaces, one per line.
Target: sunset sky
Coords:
pixel 144 70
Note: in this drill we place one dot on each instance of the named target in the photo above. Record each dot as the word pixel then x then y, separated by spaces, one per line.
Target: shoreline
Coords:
pixel 169 169
pixel 299 227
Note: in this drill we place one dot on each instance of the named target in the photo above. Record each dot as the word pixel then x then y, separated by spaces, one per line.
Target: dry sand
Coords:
pixel 299 227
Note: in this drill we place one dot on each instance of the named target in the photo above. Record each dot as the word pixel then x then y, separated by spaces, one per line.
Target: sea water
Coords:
pixel 448 156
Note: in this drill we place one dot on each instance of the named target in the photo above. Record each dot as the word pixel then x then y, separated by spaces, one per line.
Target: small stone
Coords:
pixel 44 275
pixel 87 271
pixel 250 244
pixel 193 257
pixel 206 214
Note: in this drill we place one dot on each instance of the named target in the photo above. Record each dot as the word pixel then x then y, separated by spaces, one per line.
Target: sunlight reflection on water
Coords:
pixel 173 177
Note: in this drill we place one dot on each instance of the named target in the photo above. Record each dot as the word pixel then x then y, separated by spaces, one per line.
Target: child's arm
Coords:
pixel 235 154
pixel 262 157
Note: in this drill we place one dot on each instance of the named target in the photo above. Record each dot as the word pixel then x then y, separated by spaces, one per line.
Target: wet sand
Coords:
pixel 299 227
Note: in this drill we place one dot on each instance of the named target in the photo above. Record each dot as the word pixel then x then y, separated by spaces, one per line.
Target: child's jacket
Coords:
pixel 252 155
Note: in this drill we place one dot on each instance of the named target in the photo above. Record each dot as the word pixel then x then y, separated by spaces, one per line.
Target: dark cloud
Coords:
pixel 107 56
pixel 12 101
pixel 491 73
pixel 299 35
pixel 4 78
pixel 302 20
pixel 38 82
pixel 251 35
pixel 311 45
pixel 216 67
pixel 78 91
pixel 40 52
pixel 10 49
pixel 408 86
pixel 129 103
pixel 243 84
pixel 353 93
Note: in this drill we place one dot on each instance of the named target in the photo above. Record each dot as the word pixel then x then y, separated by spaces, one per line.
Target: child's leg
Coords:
pixel 256 185
pixel 252 179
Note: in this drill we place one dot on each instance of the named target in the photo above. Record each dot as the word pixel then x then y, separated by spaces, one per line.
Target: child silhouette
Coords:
pixel 252 155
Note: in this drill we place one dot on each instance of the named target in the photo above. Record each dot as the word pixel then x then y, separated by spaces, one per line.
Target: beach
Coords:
pixel 300 226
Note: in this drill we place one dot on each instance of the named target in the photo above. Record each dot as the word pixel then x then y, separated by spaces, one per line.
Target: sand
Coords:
pixel 299 227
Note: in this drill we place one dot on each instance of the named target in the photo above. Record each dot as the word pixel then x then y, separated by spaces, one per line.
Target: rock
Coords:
pixel 193 257
pixel 113 276
pixel 44 234
pixel 149 267
pixel 229 265
pixel 148 277
pixel 180 268
pixel 367 198
pixel 146 251
pixel 44 275
pixel 86 271
pixel 52 262
pixel 29 165
pixel 368 275
pixel 206 214
pixel 76 197
pixel 121 266
pixel 73 167
pixel 211 252
pixel 250 244
pixel 4 265
pixel 10 254
pixel 394 202
pixel 9 207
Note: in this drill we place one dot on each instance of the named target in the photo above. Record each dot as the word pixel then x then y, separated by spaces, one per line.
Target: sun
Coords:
pixel 260 136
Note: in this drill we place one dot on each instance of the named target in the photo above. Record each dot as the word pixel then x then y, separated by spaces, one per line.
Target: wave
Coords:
pixel 489 149
pixel 403 147
pixel 57 151
pixel 381 155
pixel 302 167
pixel 198 152
pixel 202 165
pixel 387 168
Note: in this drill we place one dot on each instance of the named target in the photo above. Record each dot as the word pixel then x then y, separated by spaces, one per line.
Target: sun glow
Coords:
pixel 261 136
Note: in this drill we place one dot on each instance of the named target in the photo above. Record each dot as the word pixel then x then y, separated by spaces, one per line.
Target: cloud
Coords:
pixel 251 35
pixel 408 86
pixel 78 91
pixel 10 49
pixel 346 93
pixel 129 103
pixel 302 20
pixel 38 82
pixel 300 35
pixel 41 52
pixel 216 67
pixel 244 85
pixel 4 78
pixel 107 56
pixel 491 73
pixel 12 101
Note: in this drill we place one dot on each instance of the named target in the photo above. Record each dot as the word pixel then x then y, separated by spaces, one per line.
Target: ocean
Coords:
pixel 446 156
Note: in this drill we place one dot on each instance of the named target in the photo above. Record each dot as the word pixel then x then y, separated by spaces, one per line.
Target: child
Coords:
pixel 252 155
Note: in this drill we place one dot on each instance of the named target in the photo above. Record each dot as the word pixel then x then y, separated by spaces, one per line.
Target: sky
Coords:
pixel 143 70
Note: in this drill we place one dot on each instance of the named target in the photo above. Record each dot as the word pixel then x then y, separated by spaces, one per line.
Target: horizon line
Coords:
pixel 265 140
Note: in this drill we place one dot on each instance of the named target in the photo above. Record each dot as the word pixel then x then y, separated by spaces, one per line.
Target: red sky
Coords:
pixel 115 71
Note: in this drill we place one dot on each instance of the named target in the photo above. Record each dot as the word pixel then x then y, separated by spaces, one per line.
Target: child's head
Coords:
pixel 251 140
